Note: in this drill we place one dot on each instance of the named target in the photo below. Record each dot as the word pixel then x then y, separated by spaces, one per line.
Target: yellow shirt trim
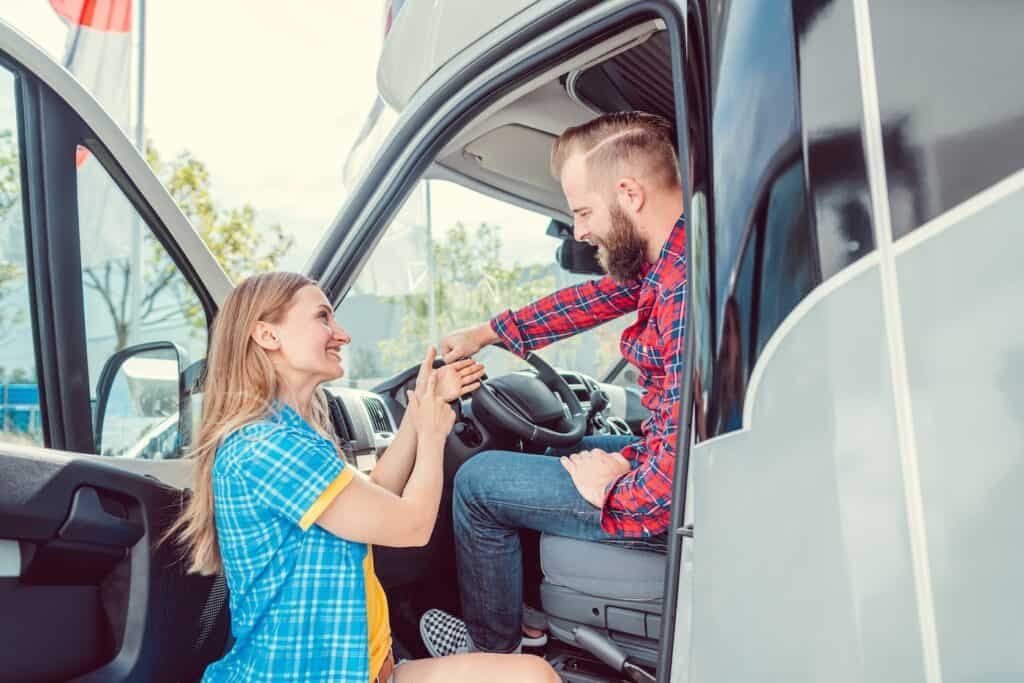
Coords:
pixel 377 620
pixel 327 497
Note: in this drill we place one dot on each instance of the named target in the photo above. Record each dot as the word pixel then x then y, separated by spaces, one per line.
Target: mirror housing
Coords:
pixel 578 257
pixel 572 256
pixel 152 394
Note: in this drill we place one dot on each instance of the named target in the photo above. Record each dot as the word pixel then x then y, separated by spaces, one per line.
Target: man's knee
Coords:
pixel 472 476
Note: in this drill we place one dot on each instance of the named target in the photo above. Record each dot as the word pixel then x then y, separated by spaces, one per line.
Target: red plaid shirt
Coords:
pixel 638 503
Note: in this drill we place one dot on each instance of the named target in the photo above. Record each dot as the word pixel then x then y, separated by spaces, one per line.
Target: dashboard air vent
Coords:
pixel 378 415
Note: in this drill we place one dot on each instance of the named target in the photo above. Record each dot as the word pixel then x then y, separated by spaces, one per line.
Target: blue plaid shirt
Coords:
pixel 298 593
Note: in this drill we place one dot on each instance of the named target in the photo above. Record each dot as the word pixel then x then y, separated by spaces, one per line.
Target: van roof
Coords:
pixel 427 34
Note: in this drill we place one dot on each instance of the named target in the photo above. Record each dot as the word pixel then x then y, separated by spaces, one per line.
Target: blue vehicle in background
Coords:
pixel 20 410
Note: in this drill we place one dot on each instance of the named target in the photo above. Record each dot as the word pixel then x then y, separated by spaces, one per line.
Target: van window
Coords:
pixel 764 250
pixel 487 256
pixel 20 411
pixel 133 293
pixel 787 269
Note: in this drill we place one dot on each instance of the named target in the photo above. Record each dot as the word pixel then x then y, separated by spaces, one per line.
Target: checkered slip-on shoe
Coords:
pixel 443 634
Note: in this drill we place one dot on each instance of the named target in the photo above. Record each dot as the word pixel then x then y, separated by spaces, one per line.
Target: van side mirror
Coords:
pixel 578 257
pixel 575 257
pixel 141 403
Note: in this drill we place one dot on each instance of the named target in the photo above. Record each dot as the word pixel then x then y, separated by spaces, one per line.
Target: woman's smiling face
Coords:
pixel 310 338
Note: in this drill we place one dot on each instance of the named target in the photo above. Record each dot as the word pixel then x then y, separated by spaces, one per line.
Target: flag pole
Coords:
pixel 140 143
pixel 140 89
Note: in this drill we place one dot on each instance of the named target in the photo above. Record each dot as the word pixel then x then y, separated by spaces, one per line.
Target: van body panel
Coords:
pixel 961 287
pixel 802 559
pixel 951 102
pixel 859 521
pixel 429 33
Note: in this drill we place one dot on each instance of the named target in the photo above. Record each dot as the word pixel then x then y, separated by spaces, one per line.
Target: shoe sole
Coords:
pixel 539 641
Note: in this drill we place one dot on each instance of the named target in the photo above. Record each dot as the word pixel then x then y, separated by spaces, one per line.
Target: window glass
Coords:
pixel 734 358
pixel 20 411
pixel 777 271
pixel 133 294
pixel 479 257
pixel 788 270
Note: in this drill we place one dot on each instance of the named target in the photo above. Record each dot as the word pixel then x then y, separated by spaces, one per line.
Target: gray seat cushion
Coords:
pixel 627 571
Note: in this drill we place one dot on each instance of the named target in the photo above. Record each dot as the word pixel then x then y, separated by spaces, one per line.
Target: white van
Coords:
pixel 847 498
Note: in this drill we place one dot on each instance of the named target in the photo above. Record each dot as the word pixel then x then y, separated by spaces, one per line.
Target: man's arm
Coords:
pixel 547 320
pixel 637 503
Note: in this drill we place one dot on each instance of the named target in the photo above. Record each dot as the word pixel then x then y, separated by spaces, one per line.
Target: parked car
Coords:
pixel 847 501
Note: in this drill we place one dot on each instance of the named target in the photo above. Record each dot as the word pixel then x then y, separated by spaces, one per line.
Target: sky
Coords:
pixel 271 95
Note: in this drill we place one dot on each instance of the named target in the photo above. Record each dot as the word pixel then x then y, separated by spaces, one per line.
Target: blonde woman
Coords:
pixel 279 511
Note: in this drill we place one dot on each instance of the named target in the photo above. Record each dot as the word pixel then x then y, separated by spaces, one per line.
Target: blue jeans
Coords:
pixel 497 493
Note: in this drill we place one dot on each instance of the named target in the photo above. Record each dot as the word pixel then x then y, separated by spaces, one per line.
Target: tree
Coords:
pixel 472 278
pixel 474 282
pixel 10 195
pixel 364 366
pixel 230 234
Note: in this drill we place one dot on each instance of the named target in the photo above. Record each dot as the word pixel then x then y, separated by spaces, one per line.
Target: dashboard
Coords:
pixel 368 420
pixel 366 423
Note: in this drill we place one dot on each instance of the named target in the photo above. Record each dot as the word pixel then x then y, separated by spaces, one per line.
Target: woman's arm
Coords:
pixel 395 464
pixel 367 512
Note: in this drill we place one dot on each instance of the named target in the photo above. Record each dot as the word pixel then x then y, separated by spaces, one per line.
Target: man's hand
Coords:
pixel 467 341
pixel 592 471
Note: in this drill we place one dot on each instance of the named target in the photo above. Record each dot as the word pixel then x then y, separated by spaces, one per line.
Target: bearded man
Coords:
pixel 620 175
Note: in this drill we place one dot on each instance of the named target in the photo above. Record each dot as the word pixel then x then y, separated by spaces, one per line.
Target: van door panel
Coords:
pixel 95 595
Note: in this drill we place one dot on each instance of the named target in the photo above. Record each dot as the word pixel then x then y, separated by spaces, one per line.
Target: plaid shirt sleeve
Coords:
pixel 637 504
pixel 565 313
pixel 289 471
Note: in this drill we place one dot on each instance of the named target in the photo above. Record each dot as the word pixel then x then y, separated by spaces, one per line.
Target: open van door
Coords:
pixel 100 344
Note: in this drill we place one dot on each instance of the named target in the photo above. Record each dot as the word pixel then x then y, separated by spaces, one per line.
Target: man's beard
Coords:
pixel 623 253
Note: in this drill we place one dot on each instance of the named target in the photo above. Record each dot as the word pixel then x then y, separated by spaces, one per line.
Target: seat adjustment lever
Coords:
pixel 602 647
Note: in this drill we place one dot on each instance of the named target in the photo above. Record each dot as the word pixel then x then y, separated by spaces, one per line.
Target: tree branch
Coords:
pixel 149 301
pixel 93 283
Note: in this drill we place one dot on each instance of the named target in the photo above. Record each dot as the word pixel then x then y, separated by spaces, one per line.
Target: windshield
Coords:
pixel 454 258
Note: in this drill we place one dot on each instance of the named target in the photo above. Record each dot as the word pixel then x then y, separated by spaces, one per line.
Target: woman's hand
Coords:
pixel 454 380
pixel 426 370
pixel 458 379
pixel 431 414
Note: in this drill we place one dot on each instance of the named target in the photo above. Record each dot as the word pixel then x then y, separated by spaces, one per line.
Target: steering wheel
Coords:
pixel 542 408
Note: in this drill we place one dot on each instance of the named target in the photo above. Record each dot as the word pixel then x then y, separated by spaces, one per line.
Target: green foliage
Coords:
pixel 10 195
pixel 364 365
pixel 10 174
pixel 17 375
pixel 472 281
pixel 231 234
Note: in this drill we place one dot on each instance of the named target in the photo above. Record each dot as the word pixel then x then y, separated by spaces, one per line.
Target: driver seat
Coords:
pixel 614 587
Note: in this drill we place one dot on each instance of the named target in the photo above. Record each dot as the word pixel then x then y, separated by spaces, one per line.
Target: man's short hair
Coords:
pixel 621 143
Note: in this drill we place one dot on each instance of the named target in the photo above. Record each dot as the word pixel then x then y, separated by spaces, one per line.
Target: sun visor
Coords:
pixel 515 152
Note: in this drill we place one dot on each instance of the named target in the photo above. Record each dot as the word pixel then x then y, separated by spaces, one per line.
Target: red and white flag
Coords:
pixel 98 51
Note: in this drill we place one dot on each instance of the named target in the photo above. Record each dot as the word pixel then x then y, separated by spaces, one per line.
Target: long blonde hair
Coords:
pixel 240 386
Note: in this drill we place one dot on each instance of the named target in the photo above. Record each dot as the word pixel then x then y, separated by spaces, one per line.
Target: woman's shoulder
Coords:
pixel 265 433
